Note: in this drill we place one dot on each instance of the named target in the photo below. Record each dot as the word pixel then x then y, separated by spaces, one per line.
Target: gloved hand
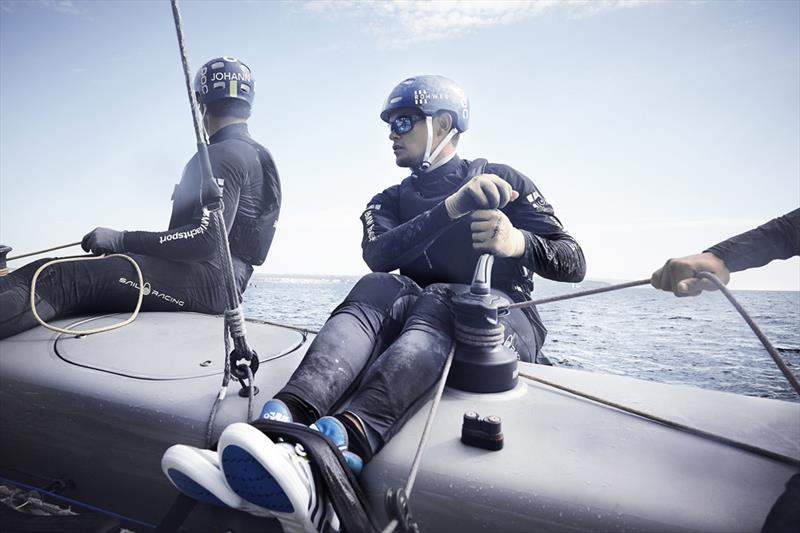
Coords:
pixel 677 275
pixel 486 191
pixel 493 232
pixel 103 241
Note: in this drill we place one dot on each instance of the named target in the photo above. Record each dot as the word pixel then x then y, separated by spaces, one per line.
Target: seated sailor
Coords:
pixel 383 348
pixel 181 266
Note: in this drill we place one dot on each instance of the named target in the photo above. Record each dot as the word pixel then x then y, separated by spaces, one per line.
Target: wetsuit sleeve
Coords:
pixel 196 239
pixel 550 251
pixel 777 239
pixel 388 244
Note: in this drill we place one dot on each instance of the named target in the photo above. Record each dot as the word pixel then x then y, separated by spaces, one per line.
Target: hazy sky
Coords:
pixel 654 128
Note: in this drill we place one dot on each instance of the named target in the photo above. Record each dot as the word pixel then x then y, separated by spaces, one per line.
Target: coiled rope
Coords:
pixel 79 332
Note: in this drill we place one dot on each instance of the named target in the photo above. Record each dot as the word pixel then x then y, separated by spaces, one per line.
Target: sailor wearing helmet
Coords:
pixel 180 264
pixel 385 345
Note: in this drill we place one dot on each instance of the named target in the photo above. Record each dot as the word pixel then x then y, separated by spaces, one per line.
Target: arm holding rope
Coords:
pixel 777 239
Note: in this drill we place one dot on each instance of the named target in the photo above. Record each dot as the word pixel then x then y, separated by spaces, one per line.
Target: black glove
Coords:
pixel 103 241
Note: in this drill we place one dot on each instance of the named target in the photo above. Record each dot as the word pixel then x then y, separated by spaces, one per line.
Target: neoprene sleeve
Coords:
pixel 777 239
pixel 388 245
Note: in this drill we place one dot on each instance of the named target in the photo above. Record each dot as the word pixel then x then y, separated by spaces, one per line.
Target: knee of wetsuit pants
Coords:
pixel 433 310
pixel 379 290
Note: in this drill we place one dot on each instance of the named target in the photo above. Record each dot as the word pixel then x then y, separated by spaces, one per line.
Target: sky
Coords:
pixel 655 129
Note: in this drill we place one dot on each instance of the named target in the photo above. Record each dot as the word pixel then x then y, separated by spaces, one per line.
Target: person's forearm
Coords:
pixel 385 250
pixel 193 242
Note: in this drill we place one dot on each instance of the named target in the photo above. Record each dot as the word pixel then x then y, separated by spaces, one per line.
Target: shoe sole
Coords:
pixel 195 476
pixel 256 470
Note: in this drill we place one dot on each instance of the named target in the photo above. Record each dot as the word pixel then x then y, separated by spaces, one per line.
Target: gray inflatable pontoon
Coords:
pixel 92 416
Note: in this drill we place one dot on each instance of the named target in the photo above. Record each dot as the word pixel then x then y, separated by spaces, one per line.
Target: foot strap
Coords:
pixel 330 468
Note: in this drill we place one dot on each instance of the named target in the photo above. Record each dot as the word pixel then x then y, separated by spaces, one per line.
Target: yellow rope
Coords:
pixel 87 331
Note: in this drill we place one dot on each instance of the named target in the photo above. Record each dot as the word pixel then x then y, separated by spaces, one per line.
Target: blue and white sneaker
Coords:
pixel 196 473
pixel 275 410
pixel 275 476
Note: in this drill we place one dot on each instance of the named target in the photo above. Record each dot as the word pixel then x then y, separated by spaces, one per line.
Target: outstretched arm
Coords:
pixel 777 239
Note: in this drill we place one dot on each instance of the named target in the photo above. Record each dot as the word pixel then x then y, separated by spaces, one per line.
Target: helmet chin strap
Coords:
pixel 429 157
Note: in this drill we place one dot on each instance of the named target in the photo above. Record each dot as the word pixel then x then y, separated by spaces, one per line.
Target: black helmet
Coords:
pixel 224 77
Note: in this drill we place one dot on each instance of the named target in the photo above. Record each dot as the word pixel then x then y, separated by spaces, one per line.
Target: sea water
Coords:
pixel 639 332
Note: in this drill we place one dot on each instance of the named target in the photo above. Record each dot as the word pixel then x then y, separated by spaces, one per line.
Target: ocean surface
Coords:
pixel 638 332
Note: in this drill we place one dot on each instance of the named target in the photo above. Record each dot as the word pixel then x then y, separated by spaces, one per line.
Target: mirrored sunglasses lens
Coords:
pixel 401 125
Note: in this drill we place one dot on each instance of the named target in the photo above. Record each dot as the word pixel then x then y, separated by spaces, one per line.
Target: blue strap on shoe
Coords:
pixel 276 411
pixel 334 429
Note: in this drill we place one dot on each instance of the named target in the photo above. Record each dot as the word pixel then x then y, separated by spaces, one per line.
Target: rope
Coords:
pixel 200 133
pixel 235 320
pixel 702 275
pixel 44 251
pixel 236 330
pixel 753 326
pixel 480 336
pixel 95 330
pixel 412 475
pixel 578 294
pixel 669 423
pixel 472 335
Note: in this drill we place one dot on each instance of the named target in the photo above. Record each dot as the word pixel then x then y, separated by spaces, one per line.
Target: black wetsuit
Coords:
pixel 383 348
pixel 777 239
pixel 180 266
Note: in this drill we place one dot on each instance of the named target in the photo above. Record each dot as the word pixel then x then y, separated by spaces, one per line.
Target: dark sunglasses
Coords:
pixel 404 123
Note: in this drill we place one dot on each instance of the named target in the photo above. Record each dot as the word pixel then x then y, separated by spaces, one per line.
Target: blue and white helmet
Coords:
pixel 224 77
pixel 430 94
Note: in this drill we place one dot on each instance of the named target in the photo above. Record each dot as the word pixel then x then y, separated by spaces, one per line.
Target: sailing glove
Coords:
pixel 493 232
pixel 486 191
pixel 103 241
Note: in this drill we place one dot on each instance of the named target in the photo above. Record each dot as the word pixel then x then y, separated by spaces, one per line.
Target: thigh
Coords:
pixel 112 284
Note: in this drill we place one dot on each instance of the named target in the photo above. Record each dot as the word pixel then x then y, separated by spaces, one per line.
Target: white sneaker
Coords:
pixel 275 476
pixel 196 473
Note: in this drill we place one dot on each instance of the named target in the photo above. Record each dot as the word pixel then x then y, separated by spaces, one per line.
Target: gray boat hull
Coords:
pixel 98 413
